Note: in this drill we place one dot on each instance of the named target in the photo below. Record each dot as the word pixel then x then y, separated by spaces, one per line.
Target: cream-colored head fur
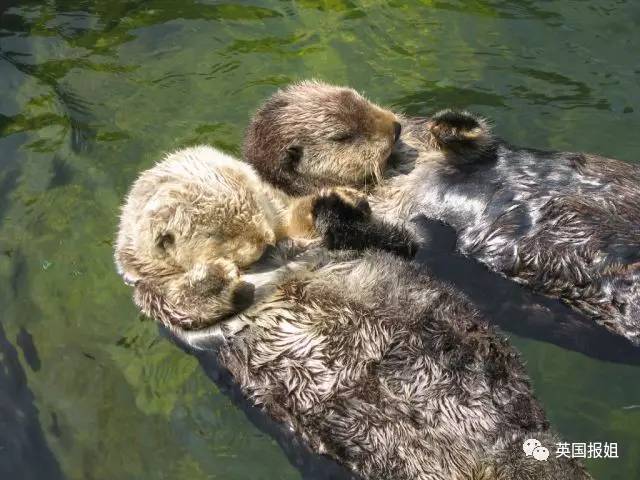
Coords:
pixel 188 228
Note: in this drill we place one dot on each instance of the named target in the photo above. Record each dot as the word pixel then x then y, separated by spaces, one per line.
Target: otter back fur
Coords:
pixel 369 360
pixel 564 224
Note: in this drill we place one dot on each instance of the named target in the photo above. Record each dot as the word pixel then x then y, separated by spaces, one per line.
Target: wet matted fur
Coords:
pixel 368 359
pixel 564 224
pixel 390 373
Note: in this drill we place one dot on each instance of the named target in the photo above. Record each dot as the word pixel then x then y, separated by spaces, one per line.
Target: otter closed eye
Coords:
pixel 342 137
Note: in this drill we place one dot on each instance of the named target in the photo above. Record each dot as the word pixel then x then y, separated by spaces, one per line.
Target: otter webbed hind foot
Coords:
pixel 467 136
pixel 349 226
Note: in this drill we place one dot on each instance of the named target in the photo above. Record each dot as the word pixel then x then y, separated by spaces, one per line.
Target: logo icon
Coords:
pixel 530 445
pixel 541 453
pixel 533 447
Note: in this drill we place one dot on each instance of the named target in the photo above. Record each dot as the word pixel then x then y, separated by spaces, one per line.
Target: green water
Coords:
pixel 92 92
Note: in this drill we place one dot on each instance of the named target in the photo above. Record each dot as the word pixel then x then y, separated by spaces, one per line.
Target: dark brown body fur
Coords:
pixel 565 224
pixel 393 374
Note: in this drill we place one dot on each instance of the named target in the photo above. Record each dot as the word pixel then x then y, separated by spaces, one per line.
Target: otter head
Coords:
pixel 311 135
pixel 188 229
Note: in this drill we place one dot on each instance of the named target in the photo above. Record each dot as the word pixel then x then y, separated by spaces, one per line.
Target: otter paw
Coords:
pixel 345 205
pixel 344 200
pixel 450 128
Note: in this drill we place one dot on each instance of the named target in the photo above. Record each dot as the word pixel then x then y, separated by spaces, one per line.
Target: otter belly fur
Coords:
pixel 564 224
pixel 392 374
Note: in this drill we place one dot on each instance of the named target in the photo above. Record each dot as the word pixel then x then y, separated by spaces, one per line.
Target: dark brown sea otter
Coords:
pixel 564 224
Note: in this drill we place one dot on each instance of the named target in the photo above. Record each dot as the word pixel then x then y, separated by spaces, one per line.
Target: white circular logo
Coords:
pixel 530 445
pixel 541 453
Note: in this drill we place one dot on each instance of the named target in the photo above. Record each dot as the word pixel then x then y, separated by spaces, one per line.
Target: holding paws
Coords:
pixel 345 203
pixel 301 221
pixel 344 220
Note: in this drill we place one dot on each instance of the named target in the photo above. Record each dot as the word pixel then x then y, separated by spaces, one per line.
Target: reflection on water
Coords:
pixel 91 92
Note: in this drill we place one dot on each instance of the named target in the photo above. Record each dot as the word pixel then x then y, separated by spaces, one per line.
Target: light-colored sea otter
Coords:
pixel 564 224
pixel 224 217
pixel 363 355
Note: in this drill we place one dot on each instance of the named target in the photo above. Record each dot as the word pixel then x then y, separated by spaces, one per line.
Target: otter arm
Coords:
pixel 299 221
pixel 344 225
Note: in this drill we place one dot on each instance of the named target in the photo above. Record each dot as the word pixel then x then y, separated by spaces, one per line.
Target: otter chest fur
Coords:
pixel 374 363
pixel 565 224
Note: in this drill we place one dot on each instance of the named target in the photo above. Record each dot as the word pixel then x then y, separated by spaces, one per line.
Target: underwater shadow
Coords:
pixel 513 307
pixel 24 453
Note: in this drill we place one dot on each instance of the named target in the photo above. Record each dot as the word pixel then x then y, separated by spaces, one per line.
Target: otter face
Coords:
pixel 311 135
pixel 190 227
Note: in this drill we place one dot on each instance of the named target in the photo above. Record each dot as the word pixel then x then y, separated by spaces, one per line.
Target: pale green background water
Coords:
pixel 92 92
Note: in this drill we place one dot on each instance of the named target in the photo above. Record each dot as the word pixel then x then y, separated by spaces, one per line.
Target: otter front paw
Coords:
pixel 345 204
pixel 341 202
pixel 348 224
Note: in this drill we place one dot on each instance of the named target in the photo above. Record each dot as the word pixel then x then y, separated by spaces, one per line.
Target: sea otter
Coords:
pixel 224 217
pixel 368 359
pixel 564 224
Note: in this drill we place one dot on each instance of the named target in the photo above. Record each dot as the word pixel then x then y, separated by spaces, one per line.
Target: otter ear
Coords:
pixel 164 240
pixel 292 156
pixel 460 130
pixel 166 223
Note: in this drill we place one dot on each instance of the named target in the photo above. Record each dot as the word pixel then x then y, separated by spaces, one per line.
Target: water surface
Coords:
pixel 94 91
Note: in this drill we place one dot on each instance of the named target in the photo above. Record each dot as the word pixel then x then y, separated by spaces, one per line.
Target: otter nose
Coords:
pixel 397 128
pixel 242 296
